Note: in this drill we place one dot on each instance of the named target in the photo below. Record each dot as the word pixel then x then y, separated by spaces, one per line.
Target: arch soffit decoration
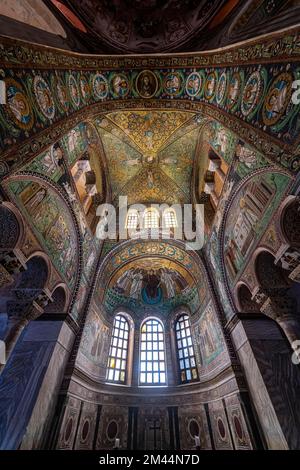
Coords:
pixel 263 247
pixel 232 293
pixel 62 285
pixel 135 250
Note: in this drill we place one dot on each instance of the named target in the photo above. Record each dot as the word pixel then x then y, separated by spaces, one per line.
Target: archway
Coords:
pixel 59 301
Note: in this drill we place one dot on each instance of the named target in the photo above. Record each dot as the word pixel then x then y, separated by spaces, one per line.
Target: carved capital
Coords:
pixel 275 302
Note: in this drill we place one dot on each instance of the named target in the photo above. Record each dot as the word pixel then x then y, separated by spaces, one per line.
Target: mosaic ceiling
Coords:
pixel 150 154
pixel 149 130
pixel 144 25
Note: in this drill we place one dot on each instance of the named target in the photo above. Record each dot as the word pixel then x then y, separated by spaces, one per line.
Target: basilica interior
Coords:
pixel 134 337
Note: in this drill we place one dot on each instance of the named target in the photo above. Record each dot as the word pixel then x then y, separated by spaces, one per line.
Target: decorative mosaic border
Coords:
pixel 251 96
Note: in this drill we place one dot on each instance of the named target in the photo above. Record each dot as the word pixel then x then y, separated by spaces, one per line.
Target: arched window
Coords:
pixel 132 219
pixel 185 349
pixel 169 218
pixel 151 218
pixel 152 354
pixel 117 359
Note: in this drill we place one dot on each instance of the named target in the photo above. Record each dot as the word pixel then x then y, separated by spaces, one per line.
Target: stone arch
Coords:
pixel 233 197
pixel 191 278
pixel 277 295
pixel 176 313
pixel 90 173
pixel 102 162
pixel 269 275
pixel 290 221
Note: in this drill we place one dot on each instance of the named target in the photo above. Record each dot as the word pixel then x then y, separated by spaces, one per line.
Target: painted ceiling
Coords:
pixel 150 154
pixel 144 25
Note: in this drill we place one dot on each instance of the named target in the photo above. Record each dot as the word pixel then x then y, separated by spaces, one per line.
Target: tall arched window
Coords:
pixel 185 349
pixel 152 354
pixel 117 359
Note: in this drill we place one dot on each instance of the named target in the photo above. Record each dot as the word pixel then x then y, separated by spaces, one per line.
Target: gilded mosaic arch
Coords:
pixel 264 116
pixel 249 250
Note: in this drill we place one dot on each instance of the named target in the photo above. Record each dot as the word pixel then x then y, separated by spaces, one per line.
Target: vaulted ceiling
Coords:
pixel 130 26
pixel 150 154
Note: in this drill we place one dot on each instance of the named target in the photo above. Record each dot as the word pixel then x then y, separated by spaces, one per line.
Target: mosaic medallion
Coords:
pixel 210 86
pixel 44 97
pixel 119 85
pixel 61 94
pixel 277 99
pixel 193 84
pixel 173 83
pixel 252 93
pixel 18 107
pixel 74 91
pixel 84 88
pixel 100 86
pixel 234 89
pixel 221 88
pixel 146 84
